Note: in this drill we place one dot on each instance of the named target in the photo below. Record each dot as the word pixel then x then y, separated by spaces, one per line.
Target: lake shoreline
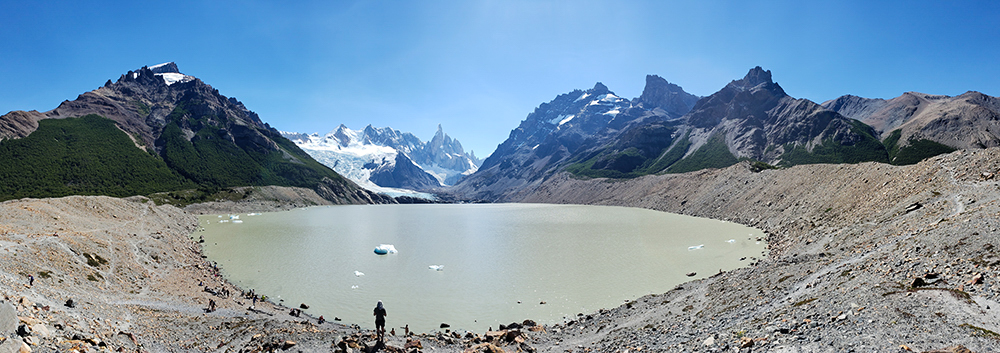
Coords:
pixel 572 258
pixel 865 257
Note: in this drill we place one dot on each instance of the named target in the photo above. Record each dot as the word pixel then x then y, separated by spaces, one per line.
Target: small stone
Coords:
pixel 746 342
pixel 710 341
pixel 31 340
pixel 288 344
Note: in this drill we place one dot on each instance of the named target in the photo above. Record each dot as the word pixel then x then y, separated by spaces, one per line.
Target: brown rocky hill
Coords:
pixel 970 120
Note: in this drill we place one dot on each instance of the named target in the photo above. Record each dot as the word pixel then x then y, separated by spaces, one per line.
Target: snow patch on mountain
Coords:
pixel 173 77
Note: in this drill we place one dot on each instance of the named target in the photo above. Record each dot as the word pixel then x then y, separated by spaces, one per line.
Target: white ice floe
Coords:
pixel 436 267
pixel 696 247
pixel 358 273
pixel 237 221
pixel 731 241
pixel 383 249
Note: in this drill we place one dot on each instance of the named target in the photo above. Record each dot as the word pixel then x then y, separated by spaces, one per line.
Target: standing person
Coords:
pixel 380 321
pixel 31 280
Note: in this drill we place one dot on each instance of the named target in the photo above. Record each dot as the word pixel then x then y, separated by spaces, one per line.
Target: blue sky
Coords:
pixel 479 67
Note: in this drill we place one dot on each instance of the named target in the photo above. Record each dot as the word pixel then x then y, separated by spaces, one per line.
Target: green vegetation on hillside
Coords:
pixel 212 159
pixel 633 161
pixel 81 156
pixel 869 149
pixel 916 151
pixel 713 154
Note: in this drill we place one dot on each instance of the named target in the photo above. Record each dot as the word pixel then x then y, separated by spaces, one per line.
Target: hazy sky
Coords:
pixel 479 67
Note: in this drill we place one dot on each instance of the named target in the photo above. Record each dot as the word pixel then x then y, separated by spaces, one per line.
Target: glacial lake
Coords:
pixel 499 262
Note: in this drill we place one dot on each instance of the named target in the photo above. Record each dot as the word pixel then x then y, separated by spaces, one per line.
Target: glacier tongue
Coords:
pixel 361 154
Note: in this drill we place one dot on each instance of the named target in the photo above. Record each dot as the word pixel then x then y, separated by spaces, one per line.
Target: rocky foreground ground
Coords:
pixel 864 258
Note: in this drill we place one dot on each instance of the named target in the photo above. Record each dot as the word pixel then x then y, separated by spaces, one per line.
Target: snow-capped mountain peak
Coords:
pixel 384 157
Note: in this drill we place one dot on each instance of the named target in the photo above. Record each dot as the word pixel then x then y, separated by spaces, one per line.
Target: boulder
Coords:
pixel 529 323
pixel 485 348
pixel 10 346
pixel 8 318
pixel 412 344
pixel 710 341
pixel 303 306
pixel 746 342
pixel 977 279
pixel 512 335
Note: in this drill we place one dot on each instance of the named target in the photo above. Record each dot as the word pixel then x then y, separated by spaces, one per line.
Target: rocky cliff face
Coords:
pixel 970 120
pixel 757 120
pixel 666 96
pixel 548 137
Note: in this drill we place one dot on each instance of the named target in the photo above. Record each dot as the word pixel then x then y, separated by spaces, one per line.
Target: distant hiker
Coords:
pixel 406 330
pixel 321 320
pixel 31 280
pixel 211 305
pixel 380 321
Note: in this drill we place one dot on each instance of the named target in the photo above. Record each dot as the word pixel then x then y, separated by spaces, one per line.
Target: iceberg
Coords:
pixel 696 247
pixel 383 249
pixel 436 267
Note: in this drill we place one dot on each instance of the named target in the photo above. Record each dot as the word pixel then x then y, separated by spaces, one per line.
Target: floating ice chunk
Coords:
pixel 696 247
pixel 383 249
pixel 436 267
pixel 354 286
pixel 731 241
pixel 359 273
pixel 237 221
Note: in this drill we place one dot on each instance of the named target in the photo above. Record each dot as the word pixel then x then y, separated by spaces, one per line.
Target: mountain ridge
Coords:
pixel 209 139
pixel 751 118
pixel 387 158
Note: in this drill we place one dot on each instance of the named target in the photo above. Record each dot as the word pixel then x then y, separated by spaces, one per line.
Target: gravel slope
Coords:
pixel 847 243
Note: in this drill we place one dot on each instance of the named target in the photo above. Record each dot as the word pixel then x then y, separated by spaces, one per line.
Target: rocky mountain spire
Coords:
pixel 659 93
